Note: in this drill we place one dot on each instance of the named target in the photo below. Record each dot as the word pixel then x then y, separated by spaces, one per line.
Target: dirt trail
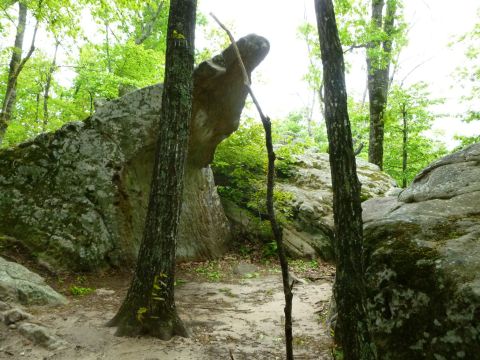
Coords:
pixel 244 316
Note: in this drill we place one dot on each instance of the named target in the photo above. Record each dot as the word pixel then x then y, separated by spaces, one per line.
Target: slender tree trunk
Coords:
pixel 278 234
pixel 352 328
pixel 37 110
pixel 11 91
pixel 107 45
pixel 378 77
pixel 48 82
pixel 404 147
pixel 149 307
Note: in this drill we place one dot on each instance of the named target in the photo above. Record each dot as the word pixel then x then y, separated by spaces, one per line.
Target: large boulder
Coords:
pixel 423 263
pixel 308 228
pixel 310 231
pixel 20 285
pixel 77 198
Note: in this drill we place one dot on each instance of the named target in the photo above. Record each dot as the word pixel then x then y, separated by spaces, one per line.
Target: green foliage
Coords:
pixel 241 160
pixel 466 141
pixel 215 37
pixel 80 291
pixel 103 75
pixel 301 266
pixel 357 30
pixel 141 313
pixel 414 104
pixel 270 249
pixel 360 122
pixel 127 52
pixel 469 78
pixel 210 270
pixel 239 164
pixel 409 111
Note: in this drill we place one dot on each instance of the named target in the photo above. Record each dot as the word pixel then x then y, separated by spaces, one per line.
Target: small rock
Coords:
pixel 15 315
pixel 295 279
pixel 4 306
pixel 39 335
pixel 18 284
pixel 244 268
pixel 104 292
pixel 12 326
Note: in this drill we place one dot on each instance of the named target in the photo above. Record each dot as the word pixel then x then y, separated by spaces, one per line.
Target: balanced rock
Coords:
pixel 423 263
pixel 77 197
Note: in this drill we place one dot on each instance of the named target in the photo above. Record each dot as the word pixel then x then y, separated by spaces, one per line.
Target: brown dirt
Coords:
pixel 225 312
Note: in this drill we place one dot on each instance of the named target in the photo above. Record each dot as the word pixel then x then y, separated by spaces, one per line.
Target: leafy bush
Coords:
pixel 80 291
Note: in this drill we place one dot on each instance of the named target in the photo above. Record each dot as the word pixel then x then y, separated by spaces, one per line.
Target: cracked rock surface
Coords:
pixel 77 198
pixel 423 263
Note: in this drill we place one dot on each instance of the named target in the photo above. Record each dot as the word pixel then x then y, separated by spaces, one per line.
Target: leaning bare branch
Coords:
pixel 276 229
pixel 246 78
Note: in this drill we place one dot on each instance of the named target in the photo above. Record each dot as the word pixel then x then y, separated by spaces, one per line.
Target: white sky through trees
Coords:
pixel 279 85
pixel 278 81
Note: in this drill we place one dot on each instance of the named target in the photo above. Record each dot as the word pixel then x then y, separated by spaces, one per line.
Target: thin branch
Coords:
pixel 148 28
pixel 246 78
pixel 414 69
pixel 9 17
pixel 30 51
pixel 350 48
pixel 276 229
pixel 359 149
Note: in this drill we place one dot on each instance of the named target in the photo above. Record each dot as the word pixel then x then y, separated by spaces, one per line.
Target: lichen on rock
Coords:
pixel 20 285
pixel 423 263
pixel 77 197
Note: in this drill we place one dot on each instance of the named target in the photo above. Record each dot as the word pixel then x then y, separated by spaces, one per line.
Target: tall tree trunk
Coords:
pixel 107 47
pixel 11 91
pixel 378 77
pixel 404 147
pixel 352 328
pixel 149 307
pixel 37 109
pixel 48 82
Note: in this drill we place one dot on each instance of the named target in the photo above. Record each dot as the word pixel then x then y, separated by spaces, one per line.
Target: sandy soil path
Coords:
pixel 243 316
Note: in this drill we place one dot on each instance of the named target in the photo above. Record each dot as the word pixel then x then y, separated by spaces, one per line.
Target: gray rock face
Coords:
pixel 423 263
pixel 18 284
pixel 77 198
pixel 40 335
pixel 310 233
pixel 15 315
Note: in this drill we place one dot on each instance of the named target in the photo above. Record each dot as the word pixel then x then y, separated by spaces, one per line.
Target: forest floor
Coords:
pixel 233 308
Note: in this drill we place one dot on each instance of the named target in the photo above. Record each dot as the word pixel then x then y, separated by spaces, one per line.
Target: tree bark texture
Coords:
pixel 278 235
pixel 149 307
pixel 48 83
pixel 349 291
pixel 378 77
pixel 16 59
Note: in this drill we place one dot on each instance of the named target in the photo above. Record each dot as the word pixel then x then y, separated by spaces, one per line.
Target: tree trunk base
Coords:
pixel 162 327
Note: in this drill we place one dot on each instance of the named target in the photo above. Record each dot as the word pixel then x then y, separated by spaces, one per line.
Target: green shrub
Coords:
pixel 80 291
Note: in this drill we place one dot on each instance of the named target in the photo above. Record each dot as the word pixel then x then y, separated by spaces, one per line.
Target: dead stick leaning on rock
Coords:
pixel 277 231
